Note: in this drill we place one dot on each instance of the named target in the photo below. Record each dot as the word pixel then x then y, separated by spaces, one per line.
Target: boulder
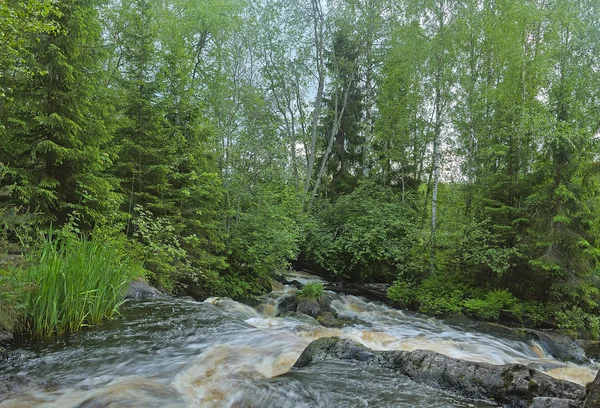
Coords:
pixel 592 398
pixel 592 350
pixel 5 336
pixel 308 307
pixel 514 385
pixel 328 319
pixel 287 304
pixel 140 289
pixel 310 321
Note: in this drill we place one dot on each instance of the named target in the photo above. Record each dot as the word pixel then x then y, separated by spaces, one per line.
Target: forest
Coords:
pixel 450 148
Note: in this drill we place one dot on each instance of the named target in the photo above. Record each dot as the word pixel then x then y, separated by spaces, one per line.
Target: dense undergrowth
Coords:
pixel 69 283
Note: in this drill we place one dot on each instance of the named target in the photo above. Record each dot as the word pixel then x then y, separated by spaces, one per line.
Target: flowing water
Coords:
pixel 221 353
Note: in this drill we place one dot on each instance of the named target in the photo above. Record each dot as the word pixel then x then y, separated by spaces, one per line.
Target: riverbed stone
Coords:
pixel 309 307
pixel 5 336
pixel 515 385
pixel 140 289
pixel 592 398
pixel 592 350
pixel 546 402
pixel 327 319
pixel 301 317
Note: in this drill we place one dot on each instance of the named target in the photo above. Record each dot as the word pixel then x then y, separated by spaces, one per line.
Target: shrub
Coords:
pixel 312 291
pixel 403 293
pixel 438 295
pixel 491 305
pixel 366 235
pixel 75 283
pixel 576 322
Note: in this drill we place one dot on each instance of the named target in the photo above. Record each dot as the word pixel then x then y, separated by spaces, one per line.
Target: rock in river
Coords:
pixel 513 385
pixel 140 289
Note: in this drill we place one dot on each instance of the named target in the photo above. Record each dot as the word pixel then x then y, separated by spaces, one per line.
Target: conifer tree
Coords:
pixel 57 148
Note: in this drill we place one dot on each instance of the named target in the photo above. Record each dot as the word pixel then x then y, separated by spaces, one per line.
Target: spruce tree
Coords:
pixel 57 147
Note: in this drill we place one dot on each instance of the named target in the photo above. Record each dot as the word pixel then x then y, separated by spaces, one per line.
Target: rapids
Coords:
pixel 221 353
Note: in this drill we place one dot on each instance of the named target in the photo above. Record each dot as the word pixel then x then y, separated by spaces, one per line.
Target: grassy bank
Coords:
pixel 68 284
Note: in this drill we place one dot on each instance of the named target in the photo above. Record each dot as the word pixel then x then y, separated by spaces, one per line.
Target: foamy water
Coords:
pixel 221 353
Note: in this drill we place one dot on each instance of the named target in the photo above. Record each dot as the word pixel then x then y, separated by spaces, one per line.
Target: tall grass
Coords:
pixel 76 283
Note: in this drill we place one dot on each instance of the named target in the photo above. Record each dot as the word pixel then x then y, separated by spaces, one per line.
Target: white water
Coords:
pixel 221 353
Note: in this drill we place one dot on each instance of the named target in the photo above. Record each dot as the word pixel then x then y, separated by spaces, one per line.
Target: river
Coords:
pixel 221 353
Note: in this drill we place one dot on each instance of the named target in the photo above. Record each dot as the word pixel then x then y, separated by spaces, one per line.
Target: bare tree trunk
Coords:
pixel 437 134
pixel 319 57
pixel 334 130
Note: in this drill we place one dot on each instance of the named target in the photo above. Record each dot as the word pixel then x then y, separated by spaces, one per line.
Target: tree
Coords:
pixel 57 147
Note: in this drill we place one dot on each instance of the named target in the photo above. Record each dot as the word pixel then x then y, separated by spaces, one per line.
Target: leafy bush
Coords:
pixel 75 283
pixel 312 291
pixel 491 305
pixel 403 293
pixel 263 239
pixel 576 322
pixel 367 234
pixel 438 295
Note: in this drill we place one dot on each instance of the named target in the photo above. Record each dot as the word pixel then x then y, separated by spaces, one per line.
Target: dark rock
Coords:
pixel 546 402
pixel 592 399
pixel 514 385
pixel 327 319
pixel 294 283
pixel 301 318
pixel 288 304
pixel 371 291
pixel 140 289
pixel 309 307
pixel 592 350
pixel 5 336
pixel 558 345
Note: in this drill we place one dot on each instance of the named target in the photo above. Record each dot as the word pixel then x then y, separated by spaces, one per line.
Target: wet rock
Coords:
pixel 545 402
pixel 140 289
pixel 294 283
pixel 592 399
pixel 288 304
pixel 309 307
pixel 5 336
pixel 327 319
pixel 558 345
pixel 514 385
pixel 301 318
pixel 371 291
pixel 592 350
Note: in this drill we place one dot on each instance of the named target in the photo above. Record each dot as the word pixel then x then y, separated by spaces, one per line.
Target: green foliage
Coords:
pixel 13 287
pixel 366 234
pixel 438 295
pixel 75 283
pixel 311 291
pixel 265 234
pixel 578 323
pixel 403 293
pixel 490 306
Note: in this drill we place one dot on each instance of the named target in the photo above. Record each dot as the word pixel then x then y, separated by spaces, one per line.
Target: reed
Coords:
pixel 75 283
